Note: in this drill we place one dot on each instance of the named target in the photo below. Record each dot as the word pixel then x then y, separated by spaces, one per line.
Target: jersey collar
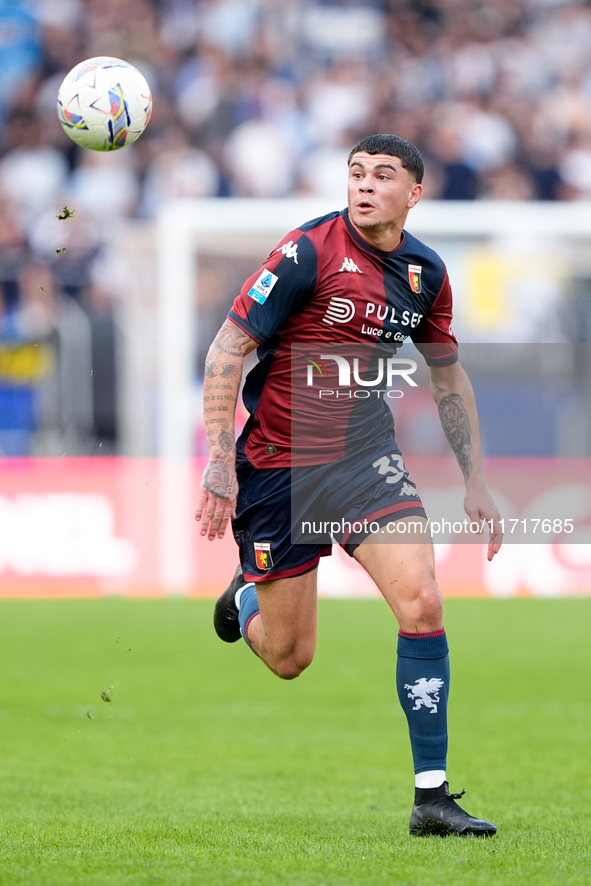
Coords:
pixel 366 246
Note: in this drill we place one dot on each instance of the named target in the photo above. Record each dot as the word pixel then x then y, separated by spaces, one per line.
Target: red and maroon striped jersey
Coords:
pixel 325 291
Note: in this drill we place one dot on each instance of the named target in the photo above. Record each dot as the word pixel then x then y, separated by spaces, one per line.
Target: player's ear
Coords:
pixel 415 195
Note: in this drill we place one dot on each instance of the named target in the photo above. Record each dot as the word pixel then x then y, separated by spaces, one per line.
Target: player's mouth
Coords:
pixel 365 206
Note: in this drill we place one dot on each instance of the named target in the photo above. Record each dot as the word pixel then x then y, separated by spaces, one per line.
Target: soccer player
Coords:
pixel 350 283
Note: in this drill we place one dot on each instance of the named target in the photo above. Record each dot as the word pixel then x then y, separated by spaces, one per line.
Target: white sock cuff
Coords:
pixel 239 593
pixel 433 778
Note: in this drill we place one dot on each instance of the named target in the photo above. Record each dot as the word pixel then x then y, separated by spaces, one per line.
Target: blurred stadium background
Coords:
pixel 256 104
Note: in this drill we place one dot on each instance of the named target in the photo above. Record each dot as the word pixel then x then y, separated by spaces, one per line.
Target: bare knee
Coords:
pixel 433 609
pixel 423 610
pixel 289 664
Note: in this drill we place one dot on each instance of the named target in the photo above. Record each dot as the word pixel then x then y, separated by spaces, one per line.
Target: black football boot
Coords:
pixel 225 614
pixel 435 812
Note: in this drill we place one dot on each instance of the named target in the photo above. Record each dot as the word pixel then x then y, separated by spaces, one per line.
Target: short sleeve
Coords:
pixel 283 285
pixel 434 336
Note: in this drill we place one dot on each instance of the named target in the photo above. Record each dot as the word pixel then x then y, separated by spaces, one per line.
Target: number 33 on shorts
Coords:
pixel 394 472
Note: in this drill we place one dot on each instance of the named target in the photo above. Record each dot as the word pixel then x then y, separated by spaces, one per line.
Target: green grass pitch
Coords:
pixel 203 768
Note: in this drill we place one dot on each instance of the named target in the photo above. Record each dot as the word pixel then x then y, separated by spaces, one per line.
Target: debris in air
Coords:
pixel 66 213
pixel 61 250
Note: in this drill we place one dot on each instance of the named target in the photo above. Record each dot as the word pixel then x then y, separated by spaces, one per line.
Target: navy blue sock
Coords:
pixel 249 607
pixel 422 680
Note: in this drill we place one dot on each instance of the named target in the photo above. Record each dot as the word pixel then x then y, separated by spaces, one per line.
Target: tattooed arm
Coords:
pixel 454 397
pixel 223 373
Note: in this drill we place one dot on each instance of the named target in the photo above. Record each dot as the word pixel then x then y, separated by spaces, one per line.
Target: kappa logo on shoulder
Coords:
pixel 339 310
pixel 349 265
pixel 289 250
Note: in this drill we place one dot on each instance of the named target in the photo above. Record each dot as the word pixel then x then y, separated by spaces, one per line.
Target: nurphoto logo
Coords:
pixel 386 371
pixel 349 373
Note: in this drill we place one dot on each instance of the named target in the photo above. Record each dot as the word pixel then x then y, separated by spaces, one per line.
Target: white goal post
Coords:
pixel 183 225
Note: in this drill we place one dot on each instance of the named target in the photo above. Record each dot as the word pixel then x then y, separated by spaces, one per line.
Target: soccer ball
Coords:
pixel 104 104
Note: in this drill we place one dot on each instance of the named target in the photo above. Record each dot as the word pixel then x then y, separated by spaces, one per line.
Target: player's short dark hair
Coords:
pixel 384 143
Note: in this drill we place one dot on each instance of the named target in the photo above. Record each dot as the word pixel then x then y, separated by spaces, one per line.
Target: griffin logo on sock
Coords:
pixel 425 693
pixel 262 552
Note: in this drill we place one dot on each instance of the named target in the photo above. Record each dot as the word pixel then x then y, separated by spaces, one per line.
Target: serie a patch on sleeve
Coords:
pixel 262 287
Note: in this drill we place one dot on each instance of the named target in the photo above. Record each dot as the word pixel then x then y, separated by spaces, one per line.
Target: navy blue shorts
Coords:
pixel 287 518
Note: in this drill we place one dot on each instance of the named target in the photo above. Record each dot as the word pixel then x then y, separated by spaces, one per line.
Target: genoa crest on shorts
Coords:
pixel 262 552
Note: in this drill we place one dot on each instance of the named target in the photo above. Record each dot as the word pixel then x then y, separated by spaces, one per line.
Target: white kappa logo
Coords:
pixel 349 265
pixel 339 310
pixel 422 692
pixel 289 250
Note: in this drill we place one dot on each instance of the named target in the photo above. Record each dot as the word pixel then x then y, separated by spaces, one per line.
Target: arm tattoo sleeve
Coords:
pixel 230 339
pixel 229 370
pixel 220 479
pixel 456 425
pixel 223 372
pixel 226 440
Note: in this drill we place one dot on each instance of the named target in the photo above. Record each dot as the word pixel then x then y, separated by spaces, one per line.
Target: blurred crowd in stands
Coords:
pixel 263 98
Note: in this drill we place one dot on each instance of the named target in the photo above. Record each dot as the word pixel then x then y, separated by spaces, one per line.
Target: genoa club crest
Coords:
pixel 414 277
pixel 262 553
